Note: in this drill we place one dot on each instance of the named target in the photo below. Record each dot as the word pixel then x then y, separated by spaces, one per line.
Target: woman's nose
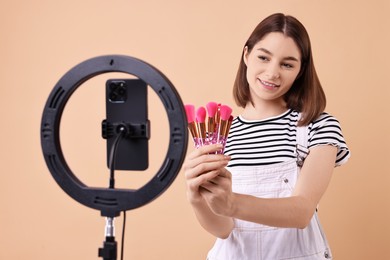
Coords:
pixel 272 71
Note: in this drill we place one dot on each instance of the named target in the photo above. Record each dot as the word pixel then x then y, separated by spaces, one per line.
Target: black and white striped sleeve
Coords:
pixel 326 130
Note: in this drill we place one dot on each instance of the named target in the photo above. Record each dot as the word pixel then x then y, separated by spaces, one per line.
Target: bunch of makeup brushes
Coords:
pixel 213 130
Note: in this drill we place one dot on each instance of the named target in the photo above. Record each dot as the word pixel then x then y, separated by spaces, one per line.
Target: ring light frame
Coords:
pixel 112 201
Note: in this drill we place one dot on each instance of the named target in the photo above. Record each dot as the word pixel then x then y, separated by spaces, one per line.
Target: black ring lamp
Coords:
pixel 112 201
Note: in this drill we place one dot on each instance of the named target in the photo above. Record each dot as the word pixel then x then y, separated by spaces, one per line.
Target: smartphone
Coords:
pixel 126 104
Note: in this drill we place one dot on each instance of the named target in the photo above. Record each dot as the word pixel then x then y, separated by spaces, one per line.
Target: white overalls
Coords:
pixel 251 241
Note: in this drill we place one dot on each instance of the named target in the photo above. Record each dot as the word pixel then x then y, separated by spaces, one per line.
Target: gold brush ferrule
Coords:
pixel 202 130
pixel 193 129
pixel 223 125
pixel 211 125
pixel 217 116
pixel 229 124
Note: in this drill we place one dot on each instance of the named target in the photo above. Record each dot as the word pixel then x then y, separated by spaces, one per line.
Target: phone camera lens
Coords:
pixel 121 91
pixel 112 86
pixel 113 97
pixel 118 92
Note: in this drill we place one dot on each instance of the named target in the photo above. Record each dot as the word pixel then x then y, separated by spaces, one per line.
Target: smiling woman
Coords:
pixel 272 67
pixel 286 37
pixel 259 198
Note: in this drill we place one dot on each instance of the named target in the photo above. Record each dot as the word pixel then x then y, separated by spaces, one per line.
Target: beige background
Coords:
pixel 197 45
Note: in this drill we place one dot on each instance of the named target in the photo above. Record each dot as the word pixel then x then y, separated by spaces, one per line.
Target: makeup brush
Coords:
pixel 217 118
pixel 228 126
pixel 200 121
pixel 211 123
pixel 190 112
pixel 225 113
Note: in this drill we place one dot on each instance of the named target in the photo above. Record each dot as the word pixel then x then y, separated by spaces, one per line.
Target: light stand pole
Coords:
pixel 109 249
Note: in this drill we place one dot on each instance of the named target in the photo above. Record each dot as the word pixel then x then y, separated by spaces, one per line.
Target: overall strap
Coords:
pixel 302 146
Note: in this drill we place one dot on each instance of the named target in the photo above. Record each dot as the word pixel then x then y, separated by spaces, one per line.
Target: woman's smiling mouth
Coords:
pixel 269 85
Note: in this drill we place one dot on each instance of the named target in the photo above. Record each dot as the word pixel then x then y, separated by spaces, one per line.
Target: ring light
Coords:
pixel 112 201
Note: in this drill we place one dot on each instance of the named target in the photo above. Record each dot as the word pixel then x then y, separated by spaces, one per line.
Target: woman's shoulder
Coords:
pixel 323 120
pixel 325 123
pixel 326 130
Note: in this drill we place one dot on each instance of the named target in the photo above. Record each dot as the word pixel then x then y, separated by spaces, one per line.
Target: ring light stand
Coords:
pixel 112 201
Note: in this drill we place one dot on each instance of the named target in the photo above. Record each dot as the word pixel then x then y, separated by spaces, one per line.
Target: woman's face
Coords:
pixel 272 67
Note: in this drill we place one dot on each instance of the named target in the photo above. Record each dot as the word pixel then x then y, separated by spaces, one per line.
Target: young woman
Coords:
pixel 260 198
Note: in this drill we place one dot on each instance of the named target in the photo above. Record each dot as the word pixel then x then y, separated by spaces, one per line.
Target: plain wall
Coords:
pixel 197 45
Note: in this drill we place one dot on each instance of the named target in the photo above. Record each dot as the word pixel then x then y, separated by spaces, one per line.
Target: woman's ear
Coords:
pixel 245 55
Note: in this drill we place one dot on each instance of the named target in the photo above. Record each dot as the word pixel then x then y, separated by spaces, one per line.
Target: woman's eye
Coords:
pixel 263 58
pixel 287 65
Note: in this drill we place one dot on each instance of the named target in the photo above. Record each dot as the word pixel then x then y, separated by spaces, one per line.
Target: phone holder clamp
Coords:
pixel 132 130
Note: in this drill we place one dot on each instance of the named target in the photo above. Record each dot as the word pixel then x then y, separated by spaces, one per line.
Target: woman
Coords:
pixel 260 198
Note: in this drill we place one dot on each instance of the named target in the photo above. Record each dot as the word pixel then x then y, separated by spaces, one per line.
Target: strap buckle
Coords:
pixel 302 153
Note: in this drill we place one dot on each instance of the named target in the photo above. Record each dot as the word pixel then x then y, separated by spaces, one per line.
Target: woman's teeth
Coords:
pixel 267 84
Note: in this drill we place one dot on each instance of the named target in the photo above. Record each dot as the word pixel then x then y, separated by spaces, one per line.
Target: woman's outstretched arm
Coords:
pixel 201 166
pixel 295 211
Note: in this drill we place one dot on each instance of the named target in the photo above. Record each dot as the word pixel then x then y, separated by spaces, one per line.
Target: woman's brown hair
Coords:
pixel 306 94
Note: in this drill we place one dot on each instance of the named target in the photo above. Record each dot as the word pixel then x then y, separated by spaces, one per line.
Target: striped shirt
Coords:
pixel 273 140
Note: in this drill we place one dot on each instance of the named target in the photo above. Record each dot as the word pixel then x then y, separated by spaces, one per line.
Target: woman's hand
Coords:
pixel 201 166
pixel 218 193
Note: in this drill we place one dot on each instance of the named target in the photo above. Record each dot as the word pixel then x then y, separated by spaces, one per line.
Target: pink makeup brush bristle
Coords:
pixel 225 111
pixel 190 112
pixel 211 108
pixel 201 115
